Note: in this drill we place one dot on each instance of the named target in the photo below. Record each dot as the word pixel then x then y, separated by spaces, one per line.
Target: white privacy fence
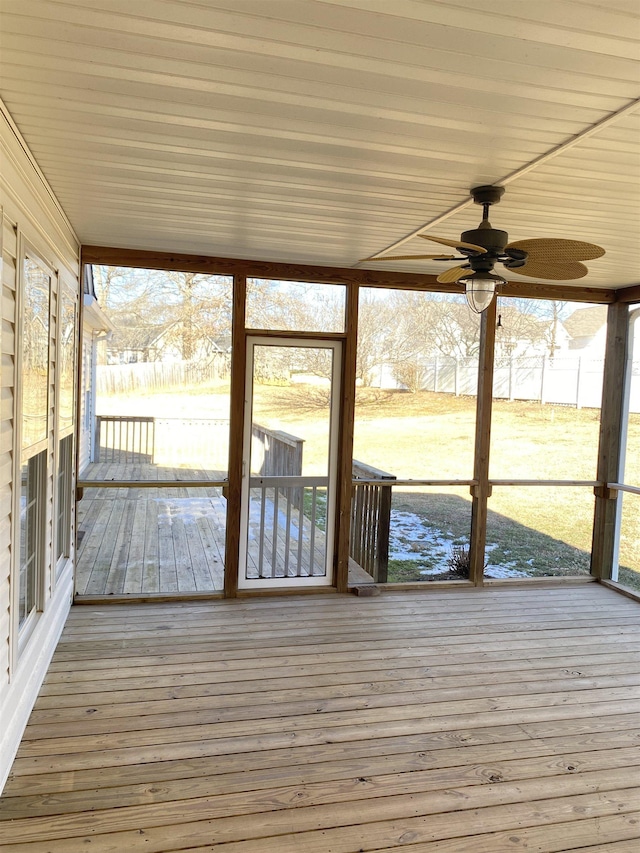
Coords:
pixel 158 375
pixel 567 380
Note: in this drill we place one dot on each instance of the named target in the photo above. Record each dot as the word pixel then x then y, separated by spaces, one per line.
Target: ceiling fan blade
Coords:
pixel 412 258
pixel 555 271
pixel 556 250
pixel 453 274
pixel 457 244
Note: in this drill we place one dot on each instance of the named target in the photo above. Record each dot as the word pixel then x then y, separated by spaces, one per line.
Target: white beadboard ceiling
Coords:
pixel 325 131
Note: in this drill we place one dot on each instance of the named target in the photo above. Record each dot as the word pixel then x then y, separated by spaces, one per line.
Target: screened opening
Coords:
pixel 415 416
pixel 627 567
pixel 628 573
pixel 429 534
pixel 295 306
pixel 288 505
pixel 539 531
pixel 547 390
pixel 156 411
pixel 161 376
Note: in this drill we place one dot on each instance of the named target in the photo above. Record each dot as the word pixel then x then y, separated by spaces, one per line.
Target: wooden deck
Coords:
pixel 146 541
pixel 160 540
pixel 450 721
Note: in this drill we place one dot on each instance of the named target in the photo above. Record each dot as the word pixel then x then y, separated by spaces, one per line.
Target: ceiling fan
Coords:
pixel 482 247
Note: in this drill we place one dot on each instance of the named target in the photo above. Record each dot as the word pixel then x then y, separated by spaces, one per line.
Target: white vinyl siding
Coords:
pixel 31 221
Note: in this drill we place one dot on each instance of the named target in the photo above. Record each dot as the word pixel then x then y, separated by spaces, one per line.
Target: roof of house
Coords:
pixel 586 322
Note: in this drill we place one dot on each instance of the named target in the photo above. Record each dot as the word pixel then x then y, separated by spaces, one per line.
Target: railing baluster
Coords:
pixel 312 543
pixel 300 508
pixel 287 541
pixel 263 501
pixel 274 550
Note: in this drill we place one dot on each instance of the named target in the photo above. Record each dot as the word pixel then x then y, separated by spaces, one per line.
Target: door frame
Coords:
pixel 302 341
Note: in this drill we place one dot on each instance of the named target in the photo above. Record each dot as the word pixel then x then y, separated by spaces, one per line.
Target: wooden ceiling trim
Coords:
pixel 144 259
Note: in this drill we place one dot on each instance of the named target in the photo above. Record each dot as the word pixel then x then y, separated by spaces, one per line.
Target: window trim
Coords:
pixel 21 633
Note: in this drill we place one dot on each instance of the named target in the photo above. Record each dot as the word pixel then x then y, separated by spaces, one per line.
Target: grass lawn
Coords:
pixel 538 531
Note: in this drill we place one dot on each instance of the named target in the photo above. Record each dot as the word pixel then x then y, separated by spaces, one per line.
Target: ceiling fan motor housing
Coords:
pixel 492 239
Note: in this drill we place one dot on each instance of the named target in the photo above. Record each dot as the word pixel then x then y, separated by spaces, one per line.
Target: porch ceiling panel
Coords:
pixel 324 131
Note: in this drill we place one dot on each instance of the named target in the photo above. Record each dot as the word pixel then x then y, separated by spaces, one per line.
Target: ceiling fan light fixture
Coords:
pixel 480 288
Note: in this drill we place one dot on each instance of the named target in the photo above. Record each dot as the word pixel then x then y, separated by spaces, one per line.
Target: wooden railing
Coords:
pixel 279 455
pixel 130 440
pixel 124 439
pixel 371 520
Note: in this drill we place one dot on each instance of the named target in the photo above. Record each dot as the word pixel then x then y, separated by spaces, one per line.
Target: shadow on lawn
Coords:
pixel 426 526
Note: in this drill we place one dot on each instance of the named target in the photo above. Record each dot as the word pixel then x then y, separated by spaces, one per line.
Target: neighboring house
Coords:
pixel 179 343
pixel 587 330
pixel 96 326
pixel 170 344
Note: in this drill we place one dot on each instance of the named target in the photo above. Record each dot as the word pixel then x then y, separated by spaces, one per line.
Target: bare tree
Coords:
pixel 374 335
pixel 531 321
pixel 180 308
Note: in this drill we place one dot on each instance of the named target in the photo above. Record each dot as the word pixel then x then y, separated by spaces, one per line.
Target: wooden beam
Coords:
pixel 334 275
pixel 482 491
pixel 257 269
pixel 562 292
pixel 609 448
pixel 236 433
pixel 628 294
pixel 345 450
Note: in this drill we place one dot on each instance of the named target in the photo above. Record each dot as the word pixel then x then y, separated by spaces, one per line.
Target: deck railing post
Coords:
pixel 371 520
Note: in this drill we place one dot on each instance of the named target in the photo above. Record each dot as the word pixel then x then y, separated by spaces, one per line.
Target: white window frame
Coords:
pixel 65 290
pixel 22 632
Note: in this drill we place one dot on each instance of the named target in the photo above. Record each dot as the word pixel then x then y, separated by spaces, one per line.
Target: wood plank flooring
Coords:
pixel 145 541
pixel 463 720
pixel 151 541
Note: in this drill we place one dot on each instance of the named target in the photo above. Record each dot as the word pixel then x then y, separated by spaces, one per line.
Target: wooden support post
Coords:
pixel 345 449
pixel 236 433
pixel 611 430
pixel 482 490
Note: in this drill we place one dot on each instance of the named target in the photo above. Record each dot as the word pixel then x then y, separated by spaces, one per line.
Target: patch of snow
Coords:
pixel 187 510
pixel 504 572
pixel 411 538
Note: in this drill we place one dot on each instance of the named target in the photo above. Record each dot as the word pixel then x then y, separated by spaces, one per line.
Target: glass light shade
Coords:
pixel 480 290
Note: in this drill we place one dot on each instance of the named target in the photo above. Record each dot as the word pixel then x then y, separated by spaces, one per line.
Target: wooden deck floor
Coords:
pixel 145 541
pixel 458 721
